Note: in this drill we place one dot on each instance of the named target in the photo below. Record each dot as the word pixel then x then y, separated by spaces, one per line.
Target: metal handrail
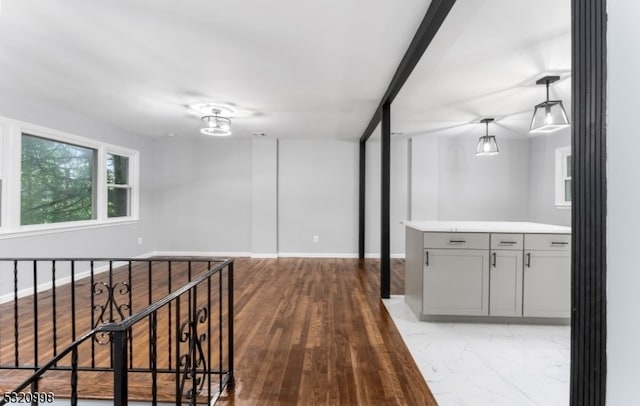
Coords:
pixel 119 329
pixel 133 319
pixel 36 375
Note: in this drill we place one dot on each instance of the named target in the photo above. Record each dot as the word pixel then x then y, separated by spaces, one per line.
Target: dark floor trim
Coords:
pixel 589 322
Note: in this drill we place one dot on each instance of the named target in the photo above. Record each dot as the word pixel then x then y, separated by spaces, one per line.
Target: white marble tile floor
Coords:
pixel 477 364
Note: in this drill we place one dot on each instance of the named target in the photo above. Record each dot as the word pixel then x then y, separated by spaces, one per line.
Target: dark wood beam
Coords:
pixel 361 199
pixel 436 14
pixel 385 205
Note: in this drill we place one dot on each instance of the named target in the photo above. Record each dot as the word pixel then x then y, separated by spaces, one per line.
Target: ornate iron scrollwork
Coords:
pixel 193 364
pixel 108 311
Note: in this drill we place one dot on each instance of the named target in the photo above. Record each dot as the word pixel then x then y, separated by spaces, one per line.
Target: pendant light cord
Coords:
pixel 547 90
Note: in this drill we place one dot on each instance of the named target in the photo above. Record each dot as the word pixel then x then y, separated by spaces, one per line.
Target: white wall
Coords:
pixel 264 197
pixel 317 195
pixel 542 208
pixel 623 189
pixel 204 194
pixel 399 205
pixel 425 178
pixel 483 188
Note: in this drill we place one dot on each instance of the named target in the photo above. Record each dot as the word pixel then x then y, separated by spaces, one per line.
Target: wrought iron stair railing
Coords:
pixel 163 321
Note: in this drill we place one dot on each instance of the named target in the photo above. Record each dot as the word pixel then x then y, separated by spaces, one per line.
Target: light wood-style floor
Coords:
pixel 310 332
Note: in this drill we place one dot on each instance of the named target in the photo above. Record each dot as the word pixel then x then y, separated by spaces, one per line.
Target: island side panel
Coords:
pixel 413 270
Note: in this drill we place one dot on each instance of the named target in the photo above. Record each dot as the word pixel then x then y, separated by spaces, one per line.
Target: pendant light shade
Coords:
pixel 549 115
pixel 487 144
pixel 216 125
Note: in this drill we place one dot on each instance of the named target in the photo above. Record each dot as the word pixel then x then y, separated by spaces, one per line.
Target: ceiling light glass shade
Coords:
pixel 549 116
pixel 216 125
pixel 487 145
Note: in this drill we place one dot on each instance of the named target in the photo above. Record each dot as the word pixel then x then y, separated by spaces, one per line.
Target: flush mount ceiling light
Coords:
pixel 487 144
pixel 549 115
pixel 203 109
pixel 216 124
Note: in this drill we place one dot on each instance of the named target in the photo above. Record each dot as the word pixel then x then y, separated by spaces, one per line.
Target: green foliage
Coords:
pixel 57 181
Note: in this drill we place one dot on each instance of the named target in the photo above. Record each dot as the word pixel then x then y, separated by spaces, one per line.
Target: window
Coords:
pixel 57 181
pixel 51 180
pixel 118 187
pixel 563 177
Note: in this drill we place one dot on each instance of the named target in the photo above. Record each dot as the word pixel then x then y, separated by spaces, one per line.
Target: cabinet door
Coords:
pixel 547 284
pixel 505 292
pixel 456 282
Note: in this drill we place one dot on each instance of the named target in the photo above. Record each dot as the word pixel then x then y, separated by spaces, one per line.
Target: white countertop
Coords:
pixel 487 227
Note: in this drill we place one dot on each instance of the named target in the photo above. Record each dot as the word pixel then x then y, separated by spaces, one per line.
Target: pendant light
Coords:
pixel 487 144
pixel 549 115
pixel 216 124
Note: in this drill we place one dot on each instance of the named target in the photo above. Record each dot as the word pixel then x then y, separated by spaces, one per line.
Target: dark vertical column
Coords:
pixel 385 206
pixel 361 198
pixel 588 322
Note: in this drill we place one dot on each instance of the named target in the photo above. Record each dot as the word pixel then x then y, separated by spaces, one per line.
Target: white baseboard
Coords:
pixel 219 254
pixel 267 256
pixel 86 273
pixel 315 255
pixel 377 256
pixel 65 280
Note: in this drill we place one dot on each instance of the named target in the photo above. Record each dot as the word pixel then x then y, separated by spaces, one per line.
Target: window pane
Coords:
pixel 118 201
pixel 56 181
pixel 117 169
pixel 567 190
pixel 568 166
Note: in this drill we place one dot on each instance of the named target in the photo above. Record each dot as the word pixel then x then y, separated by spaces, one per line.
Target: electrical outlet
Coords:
pixel 139 240
pixel 316 238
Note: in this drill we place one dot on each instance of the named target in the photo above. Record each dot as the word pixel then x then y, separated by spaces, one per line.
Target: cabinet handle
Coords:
pixel 457 241
pixel 559 243
pixel 494 259
pixel 528 260
pixel 508 242
pixel 426 259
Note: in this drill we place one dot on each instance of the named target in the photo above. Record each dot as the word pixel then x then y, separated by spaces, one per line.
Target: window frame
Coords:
pixel 561 177
pixel 10 173
pixel 132 182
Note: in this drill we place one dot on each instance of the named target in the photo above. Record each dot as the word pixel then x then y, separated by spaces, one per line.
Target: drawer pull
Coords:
pixel 508 242
pixel 457 241
pixel 559 243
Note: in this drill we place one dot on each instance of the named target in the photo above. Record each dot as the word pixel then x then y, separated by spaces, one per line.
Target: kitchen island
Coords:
pixel 488 271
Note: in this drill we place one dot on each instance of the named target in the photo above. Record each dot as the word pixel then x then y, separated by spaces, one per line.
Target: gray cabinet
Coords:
pixel 505 275
pixel 456 282
pixel 496 276
pixel 456 274
pixel 547 276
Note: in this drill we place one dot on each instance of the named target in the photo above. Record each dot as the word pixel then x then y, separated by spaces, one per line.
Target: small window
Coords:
pixel 57 181
pixel 563 177
pixel 118 186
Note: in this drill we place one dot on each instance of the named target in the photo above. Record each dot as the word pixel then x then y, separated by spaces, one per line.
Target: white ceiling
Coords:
pixel 484 62
pixel 300 69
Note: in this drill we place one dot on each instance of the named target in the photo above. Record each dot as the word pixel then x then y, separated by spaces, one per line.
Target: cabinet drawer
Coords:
pixel 507 241
pixel 547 242
pixel 457 240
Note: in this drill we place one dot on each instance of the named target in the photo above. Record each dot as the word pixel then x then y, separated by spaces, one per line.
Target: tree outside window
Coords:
pixel 57 181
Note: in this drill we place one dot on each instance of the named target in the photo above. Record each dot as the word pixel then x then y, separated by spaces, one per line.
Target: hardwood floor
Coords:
pixel 313 332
